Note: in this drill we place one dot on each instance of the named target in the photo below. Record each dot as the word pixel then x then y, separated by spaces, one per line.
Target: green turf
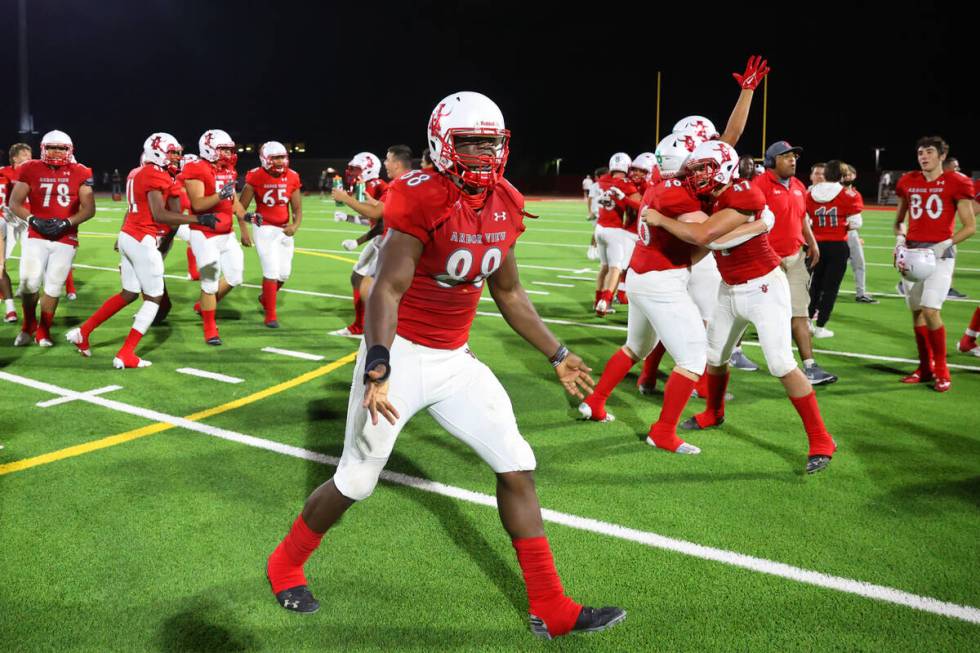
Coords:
pixel 158 544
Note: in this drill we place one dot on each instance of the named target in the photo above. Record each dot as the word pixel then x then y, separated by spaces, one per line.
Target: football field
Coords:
pixel 137 507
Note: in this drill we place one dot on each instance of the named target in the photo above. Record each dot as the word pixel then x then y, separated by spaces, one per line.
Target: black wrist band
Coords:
pixel 377 355
pixel 559 356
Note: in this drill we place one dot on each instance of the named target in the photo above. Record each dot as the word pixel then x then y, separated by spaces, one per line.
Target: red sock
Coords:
pixel 192 265
pixel 70 281
pixel 677 392
pixel 269 290
pixel 210 324
pixel 614 372
pixel 358 323
pixel 651 364
pixel 701 387
pixel 545 595
pixel 109 308
pixel 937 343
pixel 925 355
pixel 621 297
pixel 598 296
pixel 285 566
pixel 714 411
pixel 607 295
pixel 975 321
pixel 821 444
pixel 44 326
pixel 129 347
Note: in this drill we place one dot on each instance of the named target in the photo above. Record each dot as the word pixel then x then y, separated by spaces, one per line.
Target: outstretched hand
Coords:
pixel 755 71
pixel 574 375
pixel 376 396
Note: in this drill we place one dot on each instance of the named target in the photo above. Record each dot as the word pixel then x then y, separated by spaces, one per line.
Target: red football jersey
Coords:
pixel 139 220
pixel 615 216
pixel 657 248
pixel 54 193
pixel 375 188
pixel 272 194
pixel 8 175
pixel 213 180
pixel 932 204
pixel 177 190
pixel 755 257
pixel 460 248
pixel 829 208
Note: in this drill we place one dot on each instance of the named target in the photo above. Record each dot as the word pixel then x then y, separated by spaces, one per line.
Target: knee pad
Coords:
pixel 357 480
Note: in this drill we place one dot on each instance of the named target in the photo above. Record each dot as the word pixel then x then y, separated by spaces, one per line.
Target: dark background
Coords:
pixel 573 82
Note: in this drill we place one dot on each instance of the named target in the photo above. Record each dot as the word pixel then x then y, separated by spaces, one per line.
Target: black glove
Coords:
pixel 49 228
pixel 209 220
pixel 253 218
pixel 227 191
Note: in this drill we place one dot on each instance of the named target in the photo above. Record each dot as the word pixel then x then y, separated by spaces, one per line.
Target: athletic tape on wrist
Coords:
pixel 377 355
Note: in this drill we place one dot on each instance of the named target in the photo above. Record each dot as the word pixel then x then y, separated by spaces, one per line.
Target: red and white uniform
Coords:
pixel 53 195
pixel 15 229
pixel 179 191
pixel 217 250
pixel 660 306
pixel 431 366
pixel 375 188
pixel 141 264
pixel 612 238
pixel 932 220
pixel 829 205
pixel 754 290
pixel 272 193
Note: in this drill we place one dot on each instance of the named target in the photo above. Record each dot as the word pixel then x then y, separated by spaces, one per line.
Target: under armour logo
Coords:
pixel 764 287
pixel 286 603
pixel 498 216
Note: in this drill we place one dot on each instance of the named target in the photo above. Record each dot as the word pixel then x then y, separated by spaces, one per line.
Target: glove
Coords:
pixel 350 245
pixel 900 257
pixel 209 220
pixel 253 218
pixel 49 228
pixel 755 71
pixel 768 217
pixel 616 193
pixel 227 191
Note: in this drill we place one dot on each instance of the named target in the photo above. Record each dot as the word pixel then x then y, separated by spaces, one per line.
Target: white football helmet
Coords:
pixel 368 164
pixel 645 162
pixel 162 150
pixel 60 139
pixel 620 162
pixel 468 114
pixel 188 158
pixel 208 146
pixel 671 154
pixel 915 264
pixel 712 164
pixel 698 126
pixel 270 150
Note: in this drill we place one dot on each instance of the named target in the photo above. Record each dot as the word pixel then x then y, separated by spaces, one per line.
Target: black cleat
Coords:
pixel 272 324
pixel 589 620
pixel 691 424
pixel 298 599
pixel 815 464
pixel 215 341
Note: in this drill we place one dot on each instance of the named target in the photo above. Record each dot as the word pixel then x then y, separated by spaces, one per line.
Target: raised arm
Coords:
pixel 755 71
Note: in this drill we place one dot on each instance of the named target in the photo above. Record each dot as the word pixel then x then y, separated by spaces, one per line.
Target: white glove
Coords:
pixel 900 251
pixel 855 221
pixel 616 193
pixel 350 244
pixel 767 217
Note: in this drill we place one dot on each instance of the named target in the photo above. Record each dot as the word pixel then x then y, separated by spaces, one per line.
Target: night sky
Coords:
pixel 574 84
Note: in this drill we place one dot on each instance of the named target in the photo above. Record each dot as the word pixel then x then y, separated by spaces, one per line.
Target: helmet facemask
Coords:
pixel 701 176
pixel 477 158
pixel 56 154
pixel 227 157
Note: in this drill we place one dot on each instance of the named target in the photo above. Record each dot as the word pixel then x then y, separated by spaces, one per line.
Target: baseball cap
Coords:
pixel 777 148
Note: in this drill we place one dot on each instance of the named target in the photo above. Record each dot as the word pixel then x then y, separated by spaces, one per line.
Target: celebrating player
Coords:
pixel 932 199
pixel 450 230
pixel 618 196
pixel 141 263
pixel 61 198
pixel 277 194
pixel 14 229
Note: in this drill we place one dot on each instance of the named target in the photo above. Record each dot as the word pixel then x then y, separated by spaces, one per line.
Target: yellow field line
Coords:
pixel 333 256
pixel 112 440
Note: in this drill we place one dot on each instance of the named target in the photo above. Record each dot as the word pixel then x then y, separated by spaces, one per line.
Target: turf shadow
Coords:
pixel 922 498
pixel 160 334
pixel 203 628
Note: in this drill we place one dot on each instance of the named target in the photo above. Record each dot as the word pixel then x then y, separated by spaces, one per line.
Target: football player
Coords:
pixel 277 192
pixel 141 262
pixel 451 230
pixel 184 231
pixel 617 196
pixel 210 185
pixel 60 197
pixel 833 211
pixel 14 229
pixel 754 290
pixel 932 199
pixel 855 244
pixel 361 178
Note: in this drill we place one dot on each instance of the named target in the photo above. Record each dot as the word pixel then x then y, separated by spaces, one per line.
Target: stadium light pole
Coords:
pixel 878 151
pixel 26 121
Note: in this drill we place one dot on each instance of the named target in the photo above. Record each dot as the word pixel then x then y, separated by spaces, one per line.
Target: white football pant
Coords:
pixel 930 293
pixel 46 261
pixel 140 265
pixel 216 256
pixel 612 243
pixel 275 252
pixel 703 286
pixel 661 307
pixel 367 262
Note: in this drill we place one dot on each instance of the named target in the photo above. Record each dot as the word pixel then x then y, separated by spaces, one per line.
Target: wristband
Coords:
pixel 559 356
pixel 377 355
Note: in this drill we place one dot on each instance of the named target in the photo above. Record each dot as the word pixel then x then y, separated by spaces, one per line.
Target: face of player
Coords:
pixel 277 163
pixel 477 151
pixel 21 157
pixel 746 168
pixel 57 152
pixel 816 175
pixel 637 175
pixel 394 167
pixel 951 165
pixel 786 164
pixel 848 177
pixel 930 159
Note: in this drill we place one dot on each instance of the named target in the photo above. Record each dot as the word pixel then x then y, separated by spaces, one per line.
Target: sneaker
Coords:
pixel 23 339
pixel 590 620
pixel 349 331
pixel 684 447
pixel 974 352
pixel 272 324
pixel 697 395
pixel 72 296
pixel 815 464
pixel 942 384
pixel 80 341
pixel 585 410
pixel 822 332
pixel 11 316
pixel 865 299
pixel 953 293
pixel 819 376
pixel 601 308
pixel 130 362
pixel 647 389
pixel 918 377
pixel 298 599
pixel 43 340
pixel 692 424
pixel 740 361
pixel 214 341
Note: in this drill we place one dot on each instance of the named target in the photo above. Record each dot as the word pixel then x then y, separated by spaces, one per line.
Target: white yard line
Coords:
pixel 65 400
pixel 565 276
pixel 294 354
pixel 214 376
pixel 732 558
pixel 556 285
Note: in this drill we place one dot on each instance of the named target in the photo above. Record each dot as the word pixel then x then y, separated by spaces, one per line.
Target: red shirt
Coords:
pixel 375 188
pixel 613 214
pixel 460 248
pixel 213 179
pixel 272 193
pixel 7 178
pixel 657 248
pixel 789 207
pixel 932 204
pixel 139 220
pixel 829 205
pixel 755 257
pixel 54 193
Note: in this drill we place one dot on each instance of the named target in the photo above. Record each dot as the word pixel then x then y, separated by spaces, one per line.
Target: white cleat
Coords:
pixel 347 333
pixel 822 332
pixel 585 411
pixel 45 342
pixel 119 364
pixel 72 296
pixel 339 216
pixel 23 339
pixel 75 337
pixel 685 448
pixel 974 352
pixel 10 317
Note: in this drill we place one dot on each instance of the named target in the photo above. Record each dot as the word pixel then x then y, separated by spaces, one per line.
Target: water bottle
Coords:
pixel 338 183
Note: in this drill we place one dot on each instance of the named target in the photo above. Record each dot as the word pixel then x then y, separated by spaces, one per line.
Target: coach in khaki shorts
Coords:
pixel 786 198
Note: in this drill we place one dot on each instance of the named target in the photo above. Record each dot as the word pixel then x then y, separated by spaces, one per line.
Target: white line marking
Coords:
pixel 65 400
pixel 897 296
pixel 770 567
pixel 536 292
pixel 294 354
pixel 565 276
pixel 556 285
pixel 94 267
pixel 301 292
pixel 214 376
